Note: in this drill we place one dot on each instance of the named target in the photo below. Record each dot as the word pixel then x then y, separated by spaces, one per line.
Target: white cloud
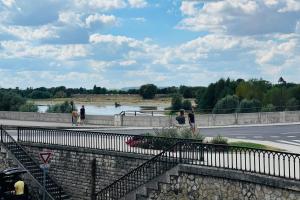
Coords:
pixel 101 19
pixel 137 3
pixel 188 7
pixel 31 33
pixel 127 62
pixel 118 40
pixel 70 17
pixel 9 3
pixel 13 49
pixel 100 4
pixel 290 6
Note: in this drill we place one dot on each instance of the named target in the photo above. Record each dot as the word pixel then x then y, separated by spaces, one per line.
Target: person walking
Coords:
pixel 82 114
pixel 191 117
pixel 181 118
pixel 74 117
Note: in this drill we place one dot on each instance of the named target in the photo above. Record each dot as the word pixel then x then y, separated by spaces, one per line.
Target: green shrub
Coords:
pixel 219 140
pixel 176 103
pixel 148 91
pixel 268 108
pixel 10 101
pixel 226 105
pixel 60 108
pixel 28 107
pixel 292 104
pixel 249 106
pixel 187 105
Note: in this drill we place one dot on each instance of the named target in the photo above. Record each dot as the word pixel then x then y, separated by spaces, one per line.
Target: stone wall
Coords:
pixel 72 167
pixel 219 184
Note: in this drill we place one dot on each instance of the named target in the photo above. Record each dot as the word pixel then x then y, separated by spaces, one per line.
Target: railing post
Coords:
pixel 1 134
pixel 180 152
pixel 18 131
pixel 93 178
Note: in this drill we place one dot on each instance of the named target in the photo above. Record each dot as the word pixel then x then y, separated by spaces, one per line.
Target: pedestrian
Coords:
pixel 82 114
pixel 74 118
pixel 19 192
pixel 181 118
pixel 191 117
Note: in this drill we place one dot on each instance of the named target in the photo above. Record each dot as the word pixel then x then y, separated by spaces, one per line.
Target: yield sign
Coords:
pixel 45 156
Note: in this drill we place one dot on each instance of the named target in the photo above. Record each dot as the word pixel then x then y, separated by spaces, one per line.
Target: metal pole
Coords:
pixel 44 183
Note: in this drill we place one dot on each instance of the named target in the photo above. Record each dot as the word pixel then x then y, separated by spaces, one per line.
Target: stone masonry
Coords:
pixel 72 168
pixel 193 186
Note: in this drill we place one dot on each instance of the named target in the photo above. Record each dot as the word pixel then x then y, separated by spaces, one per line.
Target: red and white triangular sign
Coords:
pixel 45 156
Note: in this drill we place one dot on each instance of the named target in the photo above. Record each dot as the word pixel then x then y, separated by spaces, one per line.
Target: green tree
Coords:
pixel 60 108
pixel 292 104
pixel 176 103
pixel 28 107
pixel 187 92
pixel 38 94
pixel 227 104
pixel 276 96
pixel 268 108
pixel 148 91
pixel 10 101
pixel 60 94
pixel 187 105
pixel 249 106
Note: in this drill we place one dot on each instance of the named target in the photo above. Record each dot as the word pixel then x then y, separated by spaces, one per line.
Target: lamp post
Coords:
pixel 282 82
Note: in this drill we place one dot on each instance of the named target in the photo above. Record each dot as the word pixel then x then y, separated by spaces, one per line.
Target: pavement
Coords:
pixel 283 136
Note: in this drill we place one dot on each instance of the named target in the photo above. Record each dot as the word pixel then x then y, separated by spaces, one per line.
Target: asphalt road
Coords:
pixel 285 134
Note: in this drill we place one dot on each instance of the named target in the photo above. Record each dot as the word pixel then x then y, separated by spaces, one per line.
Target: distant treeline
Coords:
pixel 223 96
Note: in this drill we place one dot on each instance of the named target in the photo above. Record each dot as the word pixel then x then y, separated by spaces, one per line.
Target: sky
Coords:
pixel 127 43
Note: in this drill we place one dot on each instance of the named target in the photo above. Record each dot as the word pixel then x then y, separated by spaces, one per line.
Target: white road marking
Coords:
pixel 291 136
pixel 287 142
pixel 274 136
pixel 286 133
pixel 260 137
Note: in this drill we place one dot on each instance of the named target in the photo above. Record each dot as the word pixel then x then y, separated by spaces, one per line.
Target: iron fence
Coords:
pixel 139 144
pixel 271 163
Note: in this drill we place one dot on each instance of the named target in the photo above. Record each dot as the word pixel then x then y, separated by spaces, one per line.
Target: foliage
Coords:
pixel 28 107
pixel 60 94
pixel 187 105
pixel 10 101
pixel 268 108
pixel 248 106
pixel 60 108
pixel 254 145
pixel 148 91
pixel 219 140
pixel 37 94
pixel 227 104
pixel 278 97
pixel 163 138
pixel 292 104
pixel 176 102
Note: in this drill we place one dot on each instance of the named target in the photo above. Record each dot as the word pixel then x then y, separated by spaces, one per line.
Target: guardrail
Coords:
pixel 271 163
pixel 18 151
pixel 97 140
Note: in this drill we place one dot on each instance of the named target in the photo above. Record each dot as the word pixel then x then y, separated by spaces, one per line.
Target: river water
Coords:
pixel 106 110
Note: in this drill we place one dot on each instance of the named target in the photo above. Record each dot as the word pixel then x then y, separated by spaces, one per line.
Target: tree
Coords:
pixel 10 101
pixel 28 107
pixel 277 97
pixel 176 103
pixel 60 108
pixel 292 104
pixel 268 108
pixel 227 104
pixel 60 94
pixel 187 105
pixel 187 92
pixel 148 91
pixel 39 94
pixel 249 106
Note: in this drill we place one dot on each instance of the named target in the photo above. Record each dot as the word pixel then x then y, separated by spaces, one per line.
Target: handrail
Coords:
pixel 259 161
pixel 124 185
pixel 5 134
pixel 126 143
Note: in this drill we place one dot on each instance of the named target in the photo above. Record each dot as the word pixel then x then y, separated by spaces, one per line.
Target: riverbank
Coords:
pixel 107 100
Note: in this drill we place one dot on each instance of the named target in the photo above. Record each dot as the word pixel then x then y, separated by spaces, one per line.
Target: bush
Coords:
pixel 36 94
pixel 176 103
pixel 226 105
pixel 268 108
pixel 292 104
pixel 60 108
pixel 60 94
pixel 10 101
pixel 249 106
pixel 219 140
pixel 187 105
pixel 28 107
pixel 148 91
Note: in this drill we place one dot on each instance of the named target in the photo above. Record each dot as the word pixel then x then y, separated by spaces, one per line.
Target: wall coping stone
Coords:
pixel 241 176
pixel 88 150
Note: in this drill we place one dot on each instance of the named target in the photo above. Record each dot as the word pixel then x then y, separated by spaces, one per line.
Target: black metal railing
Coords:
pixel 52 190
pixel 98 140
pixel 271 163
pixel 141 175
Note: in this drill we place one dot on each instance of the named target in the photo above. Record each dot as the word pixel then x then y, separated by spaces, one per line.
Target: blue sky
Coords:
pixel 126 43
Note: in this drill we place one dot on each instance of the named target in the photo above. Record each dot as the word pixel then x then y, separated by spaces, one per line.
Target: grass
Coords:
pixel 254 145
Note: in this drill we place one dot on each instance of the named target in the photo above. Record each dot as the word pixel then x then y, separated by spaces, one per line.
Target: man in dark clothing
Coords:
pixel 82 114
pixel 181 118
pixel 191 117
